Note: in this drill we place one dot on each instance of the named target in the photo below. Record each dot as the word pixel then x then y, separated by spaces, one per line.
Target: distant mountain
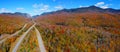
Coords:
pixel 18 13
pixel 22 14
pixel 86 9
pixel 35 16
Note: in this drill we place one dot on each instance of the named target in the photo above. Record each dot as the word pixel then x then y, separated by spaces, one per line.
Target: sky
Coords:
pixel 37 7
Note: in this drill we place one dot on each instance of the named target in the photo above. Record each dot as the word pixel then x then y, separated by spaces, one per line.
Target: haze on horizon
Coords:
pixel 36 7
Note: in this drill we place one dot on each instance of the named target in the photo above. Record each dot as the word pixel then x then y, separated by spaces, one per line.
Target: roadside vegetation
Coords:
pixel 9 24
pixel 80 32
pixel 30 43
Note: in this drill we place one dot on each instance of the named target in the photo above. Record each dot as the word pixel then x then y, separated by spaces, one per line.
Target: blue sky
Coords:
pixel 35 7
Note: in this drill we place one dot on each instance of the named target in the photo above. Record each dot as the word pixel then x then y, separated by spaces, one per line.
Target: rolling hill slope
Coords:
pixel 11 23
pixel 89 29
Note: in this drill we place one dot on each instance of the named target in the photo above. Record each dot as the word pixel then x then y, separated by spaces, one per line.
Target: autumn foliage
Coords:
pixel 80 32
pixel 11 23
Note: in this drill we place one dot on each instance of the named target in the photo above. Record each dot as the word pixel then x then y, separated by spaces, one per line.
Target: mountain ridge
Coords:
pixel 90 9
pixel 86 9
pixel 17 13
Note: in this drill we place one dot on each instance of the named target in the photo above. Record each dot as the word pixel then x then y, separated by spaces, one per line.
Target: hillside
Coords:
pixel 11 23
pixel 93 17
pixel 89 29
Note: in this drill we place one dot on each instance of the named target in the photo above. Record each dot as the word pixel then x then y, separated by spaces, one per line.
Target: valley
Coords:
pixel 67 30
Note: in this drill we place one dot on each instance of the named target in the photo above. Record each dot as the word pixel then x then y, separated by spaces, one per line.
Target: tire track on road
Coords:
pixel 13 34
pixel 21 38
pixel 40 42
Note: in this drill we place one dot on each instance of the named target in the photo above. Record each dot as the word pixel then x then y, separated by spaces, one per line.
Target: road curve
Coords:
pixel 13 34
pixel 21 38
pixel 40 42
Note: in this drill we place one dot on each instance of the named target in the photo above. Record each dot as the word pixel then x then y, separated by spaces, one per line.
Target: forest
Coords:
pixel 80 32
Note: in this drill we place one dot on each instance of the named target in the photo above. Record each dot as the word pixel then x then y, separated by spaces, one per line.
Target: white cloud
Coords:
pixel 102 5
pixel 44 7
pixel 36 5
pixel 82 6
pixel 4 10
pixel 99 3
pixel 59 7
pixel 38 8
pixel 19 8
